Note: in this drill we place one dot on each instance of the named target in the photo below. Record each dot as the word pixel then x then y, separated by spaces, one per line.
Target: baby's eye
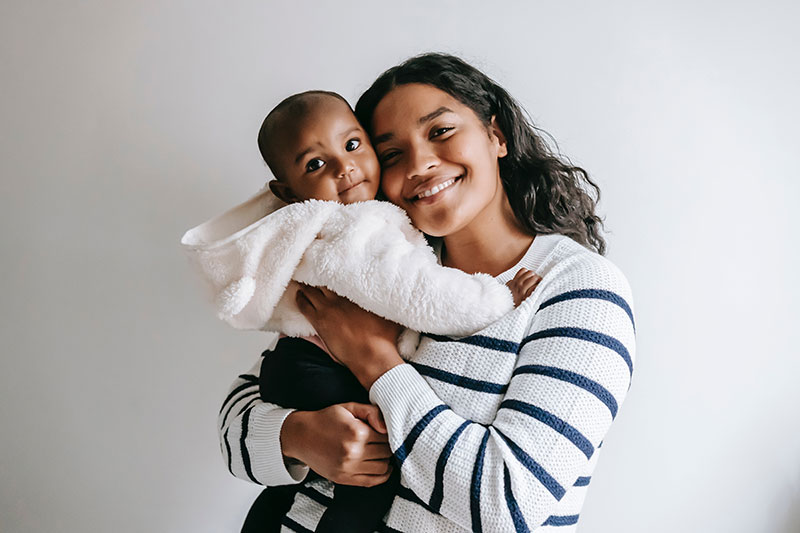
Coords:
pixel 352 144
pixel 314 164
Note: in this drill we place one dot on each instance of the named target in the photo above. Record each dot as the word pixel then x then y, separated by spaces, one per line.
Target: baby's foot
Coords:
pixel 523 285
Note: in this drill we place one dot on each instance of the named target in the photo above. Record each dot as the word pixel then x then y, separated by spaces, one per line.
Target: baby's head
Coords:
pixel 316 148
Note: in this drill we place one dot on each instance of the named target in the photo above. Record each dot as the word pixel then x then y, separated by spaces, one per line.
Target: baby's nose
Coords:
pixel 347 169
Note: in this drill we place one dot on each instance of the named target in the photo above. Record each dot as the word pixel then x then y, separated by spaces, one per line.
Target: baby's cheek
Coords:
pixel 372 170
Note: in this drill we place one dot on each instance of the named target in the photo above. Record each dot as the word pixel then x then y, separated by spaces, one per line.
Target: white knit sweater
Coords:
pixel 498 431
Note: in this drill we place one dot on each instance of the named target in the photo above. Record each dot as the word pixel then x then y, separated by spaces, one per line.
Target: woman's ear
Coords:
pixel 282 191
pixel 496 134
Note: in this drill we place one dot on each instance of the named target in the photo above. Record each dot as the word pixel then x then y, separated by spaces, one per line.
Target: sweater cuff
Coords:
pixel 269 464
pixel 403 397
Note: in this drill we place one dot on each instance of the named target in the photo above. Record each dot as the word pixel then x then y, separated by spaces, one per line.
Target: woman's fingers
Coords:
pixel 363 480
pixel 377 452
pixel 378 467
pixel 368 413
pixel 310 300
pixel 304 303
pixel 313 300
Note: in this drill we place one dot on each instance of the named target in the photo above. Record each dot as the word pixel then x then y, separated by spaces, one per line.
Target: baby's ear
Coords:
pixel 282 191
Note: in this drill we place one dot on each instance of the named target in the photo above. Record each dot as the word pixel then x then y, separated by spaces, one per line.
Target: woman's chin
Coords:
pixel 439 224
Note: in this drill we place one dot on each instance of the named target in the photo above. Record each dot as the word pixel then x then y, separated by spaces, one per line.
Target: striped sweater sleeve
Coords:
pixel 249 433
pixel 572 372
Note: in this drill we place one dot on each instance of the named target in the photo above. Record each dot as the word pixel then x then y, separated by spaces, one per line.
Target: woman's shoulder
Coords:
pixel 572 267
pixel 582 289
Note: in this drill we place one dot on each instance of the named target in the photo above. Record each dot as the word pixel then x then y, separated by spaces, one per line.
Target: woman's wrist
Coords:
pixel 378 360
pixel 291 437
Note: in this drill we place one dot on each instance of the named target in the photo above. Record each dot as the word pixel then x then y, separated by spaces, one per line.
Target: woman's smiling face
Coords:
pixel 438 160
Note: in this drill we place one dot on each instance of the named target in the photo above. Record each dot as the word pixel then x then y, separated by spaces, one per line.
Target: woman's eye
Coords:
pixel 352 144
pixel 387 157
pixel 314 164
pixel 440 131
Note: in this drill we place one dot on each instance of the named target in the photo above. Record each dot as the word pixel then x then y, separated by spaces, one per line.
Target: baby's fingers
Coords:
pixel 521 273
pixel 529 284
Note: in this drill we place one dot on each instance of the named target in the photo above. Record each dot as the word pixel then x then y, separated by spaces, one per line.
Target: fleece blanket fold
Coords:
pixel 252 256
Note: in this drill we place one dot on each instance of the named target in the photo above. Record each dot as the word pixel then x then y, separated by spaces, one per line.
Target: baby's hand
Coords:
pixel 523 285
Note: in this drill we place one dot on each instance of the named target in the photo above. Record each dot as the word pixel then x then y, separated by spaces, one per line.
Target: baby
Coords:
pixel 317 150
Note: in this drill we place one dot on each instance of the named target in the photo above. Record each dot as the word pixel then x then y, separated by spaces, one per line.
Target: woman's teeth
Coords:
pixel 437 188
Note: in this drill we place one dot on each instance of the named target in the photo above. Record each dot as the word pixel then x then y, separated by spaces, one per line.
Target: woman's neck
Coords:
pixel 491 244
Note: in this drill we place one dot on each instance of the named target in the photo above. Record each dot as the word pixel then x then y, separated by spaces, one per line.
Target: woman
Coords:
pixel 497 431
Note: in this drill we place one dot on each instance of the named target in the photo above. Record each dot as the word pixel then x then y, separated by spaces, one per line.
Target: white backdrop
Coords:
pixel 125 123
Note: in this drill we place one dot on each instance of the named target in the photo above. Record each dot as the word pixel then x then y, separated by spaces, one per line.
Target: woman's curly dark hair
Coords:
pixel 546 192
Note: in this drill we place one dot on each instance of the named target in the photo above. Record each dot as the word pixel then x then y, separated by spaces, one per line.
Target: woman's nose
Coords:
pixel 421 160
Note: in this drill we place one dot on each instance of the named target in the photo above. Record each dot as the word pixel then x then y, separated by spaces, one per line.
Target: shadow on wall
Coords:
pixel 791 522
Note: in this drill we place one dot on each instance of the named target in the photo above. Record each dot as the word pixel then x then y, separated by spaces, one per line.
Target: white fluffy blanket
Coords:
pixel 368 252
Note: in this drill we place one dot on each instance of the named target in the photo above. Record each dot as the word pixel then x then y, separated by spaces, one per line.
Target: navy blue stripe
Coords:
pixel 315 495
pixel 233 393
pixel 561 520
pixel 438 487
pixel 294 526
pixel 576 379
pixel 551 420
pixel 460 381
pixel 407 494
pixel 245 454
pixel 491 343
pixel 475 489
pixel 516 515
pixel 595 294
pixel 403 451
pixel 251 402
pixel 228 448
pixel 230 407
pixel 535 468
pixel 582 481
pixel 586 335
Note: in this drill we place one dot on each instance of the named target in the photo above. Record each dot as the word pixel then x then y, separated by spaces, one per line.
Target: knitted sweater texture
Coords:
pixel 497 431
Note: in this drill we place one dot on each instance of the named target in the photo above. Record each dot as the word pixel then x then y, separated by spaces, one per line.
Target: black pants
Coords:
pixel 300 375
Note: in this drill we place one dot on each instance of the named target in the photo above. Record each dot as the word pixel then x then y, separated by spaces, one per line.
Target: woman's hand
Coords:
pixel 363 342
pixel 345 443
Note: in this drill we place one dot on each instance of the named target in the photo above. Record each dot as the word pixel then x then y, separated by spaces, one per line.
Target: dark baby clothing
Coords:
pixel 300 375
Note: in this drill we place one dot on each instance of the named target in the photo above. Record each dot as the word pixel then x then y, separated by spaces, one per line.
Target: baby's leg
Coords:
pixel 267 512
pixel 299 374
pixel 359 509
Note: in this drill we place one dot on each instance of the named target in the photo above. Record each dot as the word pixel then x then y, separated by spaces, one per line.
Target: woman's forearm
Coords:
pixel 292 436
pixel 512 464
pixel 249 431
pixel 380 357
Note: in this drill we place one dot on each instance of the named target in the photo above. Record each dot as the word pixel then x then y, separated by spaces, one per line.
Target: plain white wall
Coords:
pixel 125 123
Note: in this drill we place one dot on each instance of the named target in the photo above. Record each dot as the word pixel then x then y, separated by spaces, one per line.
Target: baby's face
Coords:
pixel 327 155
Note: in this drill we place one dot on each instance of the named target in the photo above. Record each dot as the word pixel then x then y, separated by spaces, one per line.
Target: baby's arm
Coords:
pixel 523 285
